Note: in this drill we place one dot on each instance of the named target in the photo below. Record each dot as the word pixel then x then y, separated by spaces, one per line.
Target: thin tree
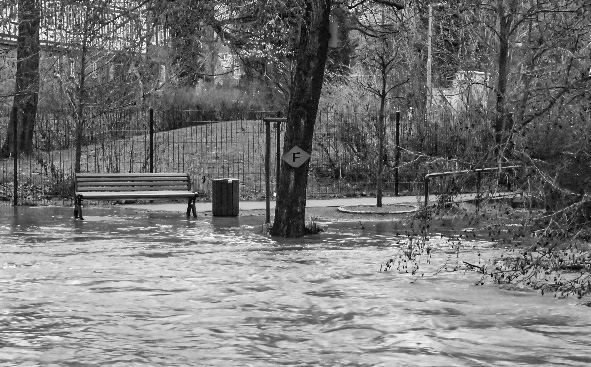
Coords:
pixel 100 30
pixel 380 53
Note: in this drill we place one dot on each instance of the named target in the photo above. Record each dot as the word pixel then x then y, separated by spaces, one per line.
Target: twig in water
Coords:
pixel 472 266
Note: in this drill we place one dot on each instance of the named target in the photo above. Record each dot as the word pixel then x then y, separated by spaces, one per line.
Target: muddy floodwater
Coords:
pixel 126 288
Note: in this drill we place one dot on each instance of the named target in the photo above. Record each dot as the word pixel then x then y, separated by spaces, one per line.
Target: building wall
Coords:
pixel 469 88
pixel 145 70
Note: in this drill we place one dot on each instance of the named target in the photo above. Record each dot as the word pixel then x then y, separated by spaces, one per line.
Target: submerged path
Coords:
pixel 316 203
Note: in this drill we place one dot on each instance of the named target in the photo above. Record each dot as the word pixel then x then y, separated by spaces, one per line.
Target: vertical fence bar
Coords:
pixel 268 172
pixel 478 180
pixel 278 158
pixel 426 191
pixel 397 157
pixel 15 152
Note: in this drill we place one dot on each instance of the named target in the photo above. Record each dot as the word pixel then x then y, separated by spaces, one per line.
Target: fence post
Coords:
pixel 15 152
pixel 151 140
pixel 268 172
pixel 397 158
pixel 278 158
pixel 478 179
pixel 426 191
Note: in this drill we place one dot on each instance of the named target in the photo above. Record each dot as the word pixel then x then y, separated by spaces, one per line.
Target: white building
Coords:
pixel 469 88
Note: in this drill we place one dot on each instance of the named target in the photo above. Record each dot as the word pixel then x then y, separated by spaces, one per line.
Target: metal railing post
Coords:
pixel 268 121
pixel 268 172
pixel 15 152
pixel 426 191
pixel 278 158
pixel 478 172
pixel 478 179
pixel 151 140
pixel 397 157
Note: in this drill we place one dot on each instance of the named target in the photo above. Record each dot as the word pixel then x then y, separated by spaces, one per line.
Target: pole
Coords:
pixel 151 140
pixel 380 157
pixel 478 179
pixel 426 191
pixel 278 158
pixel 15 152
pixel 268 172
pixel 397 157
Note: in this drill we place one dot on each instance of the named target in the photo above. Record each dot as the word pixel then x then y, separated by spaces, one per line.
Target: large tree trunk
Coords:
pixel 290 211
pixel 27 77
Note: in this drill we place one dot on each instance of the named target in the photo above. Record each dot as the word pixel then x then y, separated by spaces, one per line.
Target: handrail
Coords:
pixel 478 171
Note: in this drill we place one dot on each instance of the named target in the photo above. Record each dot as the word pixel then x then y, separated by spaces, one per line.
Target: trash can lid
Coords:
pixel 226 179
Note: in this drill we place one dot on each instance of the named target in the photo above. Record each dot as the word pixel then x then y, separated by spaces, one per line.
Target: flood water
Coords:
pixel 137 289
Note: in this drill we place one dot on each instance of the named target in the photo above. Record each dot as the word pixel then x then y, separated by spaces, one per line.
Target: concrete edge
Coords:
pixel 350 211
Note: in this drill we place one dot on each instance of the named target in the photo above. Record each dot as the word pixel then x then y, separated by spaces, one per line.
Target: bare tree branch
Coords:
pixel 394 4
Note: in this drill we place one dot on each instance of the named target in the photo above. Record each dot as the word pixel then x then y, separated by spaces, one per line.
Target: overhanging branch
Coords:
pixel 394 4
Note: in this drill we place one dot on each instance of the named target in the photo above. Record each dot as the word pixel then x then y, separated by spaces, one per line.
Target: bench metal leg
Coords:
pixel 191 208
pixel 78 208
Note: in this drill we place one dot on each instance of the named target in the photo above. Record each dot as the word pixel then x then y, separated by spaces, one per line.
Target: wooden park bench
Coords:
pixel 115 186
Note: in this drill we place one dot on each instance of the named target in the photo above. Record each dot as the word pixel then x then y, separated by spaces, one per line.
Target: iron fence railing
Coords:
pixel 343 163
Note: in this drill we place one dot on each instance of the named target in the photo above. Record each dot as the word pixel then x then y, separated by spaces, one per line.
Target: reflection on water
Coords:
pixel 130 289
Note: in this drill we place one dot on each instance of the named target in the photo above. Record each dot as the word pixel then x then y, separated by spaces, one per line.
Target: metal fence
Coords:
pixel 208 146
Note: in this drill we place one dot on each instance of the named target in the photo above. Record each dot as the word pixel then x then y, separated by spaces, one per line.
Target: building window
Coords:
pixel 93 70
pixel 237 72
pixel 162 76
pixel 72 68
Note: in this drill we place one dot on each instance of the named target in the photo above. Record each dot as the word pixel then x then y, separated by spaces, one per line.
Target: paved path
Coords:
pixel 310 203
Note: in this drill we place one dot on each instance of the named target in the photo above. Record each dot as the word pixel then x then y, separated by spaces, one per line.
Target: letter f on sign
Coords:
pixel 296 157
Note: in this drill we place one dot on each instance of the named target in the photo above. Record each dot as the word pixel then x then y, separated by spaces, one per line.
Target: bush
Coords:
pixel 188 107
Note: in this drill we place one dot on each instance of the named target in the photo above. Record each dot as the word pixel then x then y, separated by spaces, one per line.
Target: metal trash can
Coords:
pixel 225 197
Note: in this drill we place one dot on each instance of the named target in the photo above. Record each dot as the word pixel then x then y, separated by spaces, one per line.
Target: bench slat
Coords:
pixel 135 194
pixel 130 179
pixel 118 175
pixel 131 188
pixel 183 184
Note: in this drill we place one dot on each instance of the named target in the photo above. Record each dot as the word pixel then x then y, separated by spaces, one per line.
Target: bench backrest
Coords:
pixel 109 182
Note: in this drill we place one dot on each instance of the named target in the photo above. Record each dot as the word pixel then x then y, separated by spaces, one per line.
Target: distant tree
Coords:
pixel 380 57
pixel 191 40
pixel 104 40
pixel 523 38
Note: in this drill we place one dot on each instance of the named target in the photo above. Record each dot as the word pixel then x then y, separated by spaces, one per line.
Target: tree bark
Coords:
pixel 311 55
pixel 27 77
